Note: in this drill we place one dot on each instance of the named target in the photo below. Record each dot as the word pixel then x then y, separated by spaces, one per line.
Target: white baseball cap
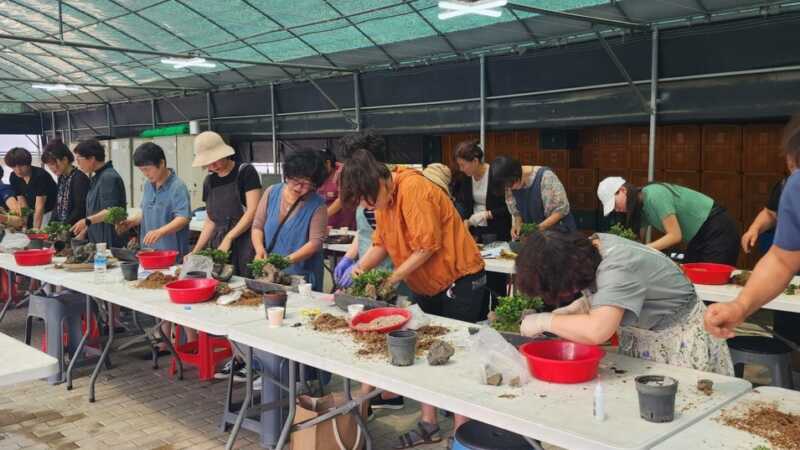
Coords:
pixel 606 191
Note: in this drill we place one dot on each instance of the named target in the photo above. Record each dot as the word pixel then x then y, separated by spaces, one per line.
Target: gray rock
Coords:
pixel 439 353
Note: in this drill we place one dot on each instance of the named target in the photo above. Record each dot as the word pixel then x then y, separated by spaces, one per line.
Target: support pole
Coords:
pixel 53 123
pixel 108 120
pixel 69 128
pixel 357 101
pixel 483 102
pixel 208 109
pixel 651 153
pixel 153 118
pixel 274 121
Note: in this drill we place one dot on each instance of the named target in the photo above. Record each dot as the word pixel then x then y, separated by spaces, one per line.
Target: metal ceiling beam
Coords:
pixel 366 36
pixel 331 101
pixel 99 85
pixel 51 102
pixel 435 30
pixel 579 17
pixel 137 51
pixel 645 106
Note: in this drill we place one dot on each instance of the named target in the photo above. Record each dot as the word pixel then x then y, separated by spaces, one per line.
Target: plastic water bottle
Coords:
pixel 100 263
pixel 599 403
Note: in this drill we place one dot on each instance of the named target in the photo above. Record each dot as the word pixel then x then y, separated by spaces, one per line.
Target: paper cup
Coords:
pixel 353 310
pixel 275 315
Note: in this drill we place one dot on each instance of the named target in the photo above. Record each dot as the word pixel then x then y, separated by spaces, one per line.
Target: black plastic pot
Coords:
pixel 402 347
pixel 656 397
pixel 130 270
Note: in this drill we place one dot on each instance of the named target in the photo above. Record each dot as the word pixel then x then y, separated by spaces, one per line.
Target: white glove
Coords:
pixel 579 306
pixel 536 324
pixel 478 219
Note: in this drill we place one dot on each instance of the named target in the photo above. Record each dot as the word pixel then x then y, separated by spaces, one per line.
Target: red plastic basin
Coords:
pixel 192 290
pixel 559 361
pixel 372 314
pixel 40 257
pixel 157 260
pixel 39 237
pixel 708 273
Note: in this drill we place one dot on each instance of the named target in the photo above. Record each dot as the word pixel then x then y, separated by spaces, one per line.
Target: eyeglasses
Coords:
pixel 300 184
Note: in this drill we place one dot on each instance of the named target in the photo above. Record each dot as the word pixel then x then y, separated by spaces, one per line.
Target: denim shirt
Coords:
pixel 161 206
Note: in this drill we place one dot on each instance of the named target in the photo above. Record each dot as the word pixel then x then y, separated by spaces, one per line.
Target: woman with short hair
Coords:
pixel 73 185
pixel 34 187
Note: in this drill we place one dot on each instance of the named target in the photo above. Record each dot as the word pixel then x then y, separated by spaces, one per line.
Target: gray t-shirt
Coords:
pixel 645 283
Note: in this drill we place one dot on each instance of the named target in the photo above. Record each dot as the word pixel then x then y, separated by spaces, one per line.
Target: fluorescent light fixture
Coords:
pixel 181 63
pixel 455 8
pixel 56 87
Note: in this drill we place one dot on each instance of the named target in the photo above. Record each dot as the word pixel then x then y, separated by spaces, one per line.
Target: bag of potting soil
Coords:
pixel 197 263
pixel 500 363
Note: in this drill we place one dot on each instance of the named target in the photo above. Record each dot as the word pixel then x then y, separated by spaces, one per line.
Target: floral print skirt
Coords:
pixel 686 344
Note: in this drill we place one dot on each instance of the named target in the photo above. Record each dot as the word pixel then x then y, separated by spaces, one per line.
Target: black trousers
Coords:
pixel 464 300
pixel 717 241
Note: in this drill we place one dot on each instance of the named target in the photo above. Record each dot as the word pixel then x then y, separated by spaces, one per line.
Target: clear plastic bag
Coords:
pixel 197 263
pixel 13 242
pixel 497 356
pixel 418 318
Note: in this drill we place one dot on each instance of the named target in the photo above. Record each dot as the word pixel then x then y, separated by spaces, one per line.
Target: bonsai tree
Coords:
pixel 510 310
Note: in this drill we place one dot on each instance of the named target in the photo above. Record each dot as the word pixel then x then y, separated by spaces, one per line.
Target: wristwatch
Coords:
pixel 87 221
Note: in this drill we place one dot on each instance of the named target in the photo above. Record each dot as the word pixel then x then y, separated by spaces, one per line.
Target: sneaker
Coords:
pixel 257 384
pixel 237 366
pixel 382 403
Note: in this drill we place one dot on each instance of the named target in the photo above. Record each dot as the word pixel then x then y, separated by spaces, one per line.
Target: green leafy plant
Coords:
pixel 55 229
pixel 374 277
pixel 791 289
pixel 509 311
pixel 35 231
pixel 623 231
pixel 218 256
pixel 24 212
pixel 528 228
pixel 257 265
pixel 761 447
pixel 115 215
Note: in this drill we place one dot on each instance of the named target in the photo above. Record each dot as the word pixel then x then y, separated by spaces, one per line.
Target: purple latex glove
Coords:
pixel 347 278
pixel 343 266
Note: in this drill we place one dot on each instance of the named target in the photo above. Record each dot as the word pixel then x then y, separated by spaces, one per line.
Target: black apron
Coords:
pixel 225 214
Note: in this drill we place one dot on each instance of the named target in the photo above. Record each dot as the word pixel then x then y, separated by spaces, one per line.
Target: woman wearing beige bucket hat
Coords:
pixel 231 192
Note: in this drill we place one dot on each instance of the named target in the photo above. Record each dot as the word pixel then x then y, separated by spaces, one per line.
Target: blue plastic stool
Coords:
pixel 475 435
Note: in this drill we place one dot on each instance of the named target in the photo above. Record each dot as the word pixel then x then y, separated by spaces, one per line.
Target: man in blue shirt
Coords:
pixel 775 270
pixel 164 220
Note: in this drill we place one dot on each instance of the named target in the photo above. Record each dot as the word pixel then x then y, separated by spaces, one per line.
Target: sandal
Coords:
pixel 424 434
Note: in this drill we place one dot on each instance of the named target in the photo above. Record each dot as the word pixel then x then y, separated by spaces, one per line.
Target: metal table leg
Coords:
pixel 248 396
pixel 356 412
pixel 167 341
pixel 287 426
pixel 103 355
pixel 10 295
pixel 82 343
pixel 534 443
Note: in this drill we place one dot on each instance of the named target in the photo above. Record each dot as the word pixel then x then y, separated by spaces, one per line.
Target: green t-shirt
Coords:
pixel 691 208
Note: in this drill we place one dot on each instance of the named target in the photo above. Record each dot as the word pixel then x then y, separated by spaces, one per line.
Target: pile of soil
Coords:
pixel 328 322
pixel 374 344
pixel 781 429
pixel 156 280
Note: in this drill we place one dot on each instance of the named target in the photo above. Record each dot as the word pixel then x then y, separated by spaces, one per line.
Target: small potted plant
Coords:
pixel 267 274
pixel 526 230
pixel 116 216
pixel 509 313
pixel 222 270
pixel 623 232
pixel 367 289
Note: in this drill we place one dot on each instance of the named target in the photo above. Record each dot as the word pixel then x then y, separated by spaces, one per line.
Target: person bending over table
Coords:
pixel 33 186
pixel 8 199
pixel 628 288
pixel 534 194
pixel 106 190
pixel 164 220
pixel 73 185
pixel 339 215
pixel 775 270
pixel 682 214
pixel 419 228
pixel 230 191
